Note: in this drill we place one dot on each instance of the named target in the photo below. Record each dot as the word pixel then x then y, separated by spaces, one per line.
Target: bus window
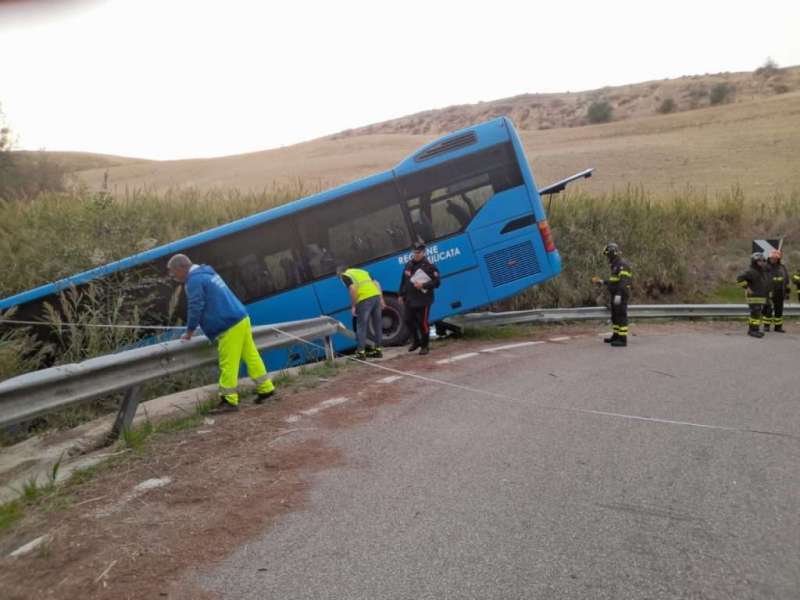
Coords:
pixel 449 209
pixel 444 199
pixel 257 262
pixel 354 229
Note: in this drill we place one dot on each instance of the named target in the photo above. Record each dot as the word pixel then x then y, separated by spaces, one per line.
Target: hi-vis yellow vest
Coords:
pixel 365 287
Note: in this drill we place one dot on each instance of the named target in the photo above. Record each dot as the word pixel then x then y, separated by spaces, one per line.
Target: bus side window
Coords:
pixel 354 229
pixel 422 223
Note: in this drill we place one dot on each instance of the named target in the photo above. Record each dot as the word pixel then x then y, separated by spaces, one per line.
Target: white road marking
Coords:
pixel 137 491
pixel 510 346
pixel 390 379
pixel 31 546
pixel 563 338
pixel 452 359
pixel 318 408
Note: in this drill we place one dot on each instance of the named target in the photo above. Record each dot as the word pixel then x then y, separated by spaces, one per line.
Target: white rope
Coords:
pixel 539 404
pixel 104 325
pixel 447 383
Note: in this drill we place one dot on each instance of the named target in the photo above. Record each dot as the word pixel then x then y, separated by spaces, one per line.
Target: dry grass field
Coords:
pixel 750 139
pixel 752 143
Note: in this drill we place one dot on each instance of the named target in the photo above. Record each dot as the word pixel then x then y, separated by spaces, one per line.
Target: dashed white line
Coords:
pixel 452 359
pixel 318 408
pixel 323 405
pixel 563 338
pixel 510 346
pixel 390 379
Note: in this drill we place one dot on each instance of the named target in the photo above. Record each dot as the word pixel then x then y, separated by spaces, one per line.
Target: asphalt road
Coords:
pixel 452 494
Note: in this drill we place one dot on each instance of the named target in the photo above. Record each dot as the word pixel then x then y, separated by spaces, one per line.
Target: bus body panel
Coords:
pixel 460 292
pixel 514 264
pixel 503 210
pixel 450 256
pixel 487 134
pixel 293 305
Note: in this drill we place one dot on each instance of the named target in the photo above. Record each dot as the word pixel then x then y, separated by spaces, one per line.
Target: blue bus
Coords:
pixel 470 196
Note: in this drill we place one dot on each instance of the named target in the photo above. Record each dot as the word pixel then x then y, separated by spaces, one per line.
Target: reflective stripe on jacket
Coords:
pixel 620 280
pixel 365 286
pixel 757 284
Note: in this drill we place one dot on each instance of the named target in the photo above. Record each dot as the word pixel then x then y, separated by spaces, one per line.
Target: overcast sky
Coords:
pixel 170 79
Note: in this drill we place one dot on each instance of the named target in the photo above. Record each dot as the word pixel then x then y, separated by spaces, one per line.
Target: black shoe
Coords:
pixel 413 347
pixel 610 338
pixel 261 398
pixel 360 355
pixel 424 350
pixel 755 333
pixel 374 352
pixel 620 342
pixel 779 329
pixel 224 407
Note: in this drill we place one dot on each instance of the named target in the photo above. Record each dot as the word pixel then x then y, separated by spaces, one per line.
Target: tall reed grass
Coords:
pixel 679 247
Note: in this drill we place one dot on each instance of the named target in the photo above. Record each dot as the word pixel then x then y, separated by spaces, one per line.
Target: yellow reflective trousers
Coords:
pixel 234 346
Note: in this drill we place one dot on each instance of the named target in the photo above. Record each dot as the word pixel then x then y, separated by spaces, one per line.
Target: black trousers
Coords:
pixel 619 317
pixel 773 311
pixel 755 316
pixel 416 318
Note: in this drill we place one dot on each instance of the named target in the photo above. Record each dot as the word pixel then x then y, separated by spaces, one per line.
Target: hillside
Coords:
pixel 80 161
pixel 752 141
pixel 555 111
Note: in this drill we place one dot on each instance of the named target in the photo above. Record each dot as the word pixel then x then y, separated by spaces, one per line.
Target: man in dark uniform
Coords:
pixel 756 285
pixel 619 290
pixel 779 287
pixel 419 280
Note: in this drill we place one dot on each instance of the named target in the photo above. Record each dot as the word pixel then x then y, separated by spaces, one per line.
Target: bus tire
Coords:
pixel 395 332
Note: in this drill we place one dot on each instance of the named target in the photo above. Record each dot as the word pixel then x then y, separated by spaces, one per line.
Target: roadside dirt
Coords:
pixel 230 481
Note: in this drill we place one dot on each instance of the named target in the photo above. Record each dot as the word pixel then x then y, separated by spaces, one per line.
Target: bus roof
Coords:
pixel 450 146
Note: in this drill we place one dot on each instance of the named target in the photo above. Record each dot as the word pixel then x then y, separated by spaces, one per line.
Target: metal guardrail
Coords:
pixel 635 311
pixel 40 392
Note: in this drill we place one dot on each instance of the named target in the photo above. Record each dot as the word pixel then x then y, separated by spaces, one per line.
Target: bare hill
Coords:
pixel 751 140
pixel 555 111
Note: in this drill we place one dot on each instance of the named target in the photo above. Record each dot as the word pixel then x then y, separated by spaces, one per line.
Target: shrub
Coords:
pixel 599 112
pixel 769 68
pixel 721 93
pixel 780 88
pixel 667 106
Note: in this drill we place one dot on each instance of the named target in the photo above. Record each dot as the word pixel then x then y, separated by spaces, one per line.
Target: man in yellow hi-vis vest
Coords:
pixel 366 302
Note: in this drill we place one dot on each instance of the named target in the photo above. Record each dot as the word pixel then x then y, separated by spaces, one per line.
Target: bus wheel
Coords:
pixel 395 331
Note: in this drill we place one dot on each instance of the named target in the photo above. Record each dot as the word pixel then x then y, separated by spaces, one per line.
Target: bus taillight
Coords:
pixel 547 236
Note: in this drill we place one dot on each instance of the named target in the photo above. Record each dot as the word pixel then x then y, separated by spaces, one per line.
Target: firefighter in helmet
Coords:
pixel 756 286
pixel 778 278
pixel 619 290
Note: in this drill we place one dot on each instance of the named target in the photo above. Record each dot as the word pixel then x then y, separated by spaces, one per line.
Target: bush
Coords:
pixel 599 112
pixel 721 93
pixel 769 68
pixel 780 88
pixel 667 106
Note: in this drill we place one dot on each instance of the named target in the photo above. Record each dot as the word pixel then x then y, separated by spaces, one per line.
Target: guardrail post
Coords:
pixel 329 353
pixel 127 410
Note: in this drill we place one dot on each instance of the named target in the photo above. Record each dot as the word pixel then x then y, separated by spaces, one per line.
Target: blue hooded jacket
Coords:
pixel 212 305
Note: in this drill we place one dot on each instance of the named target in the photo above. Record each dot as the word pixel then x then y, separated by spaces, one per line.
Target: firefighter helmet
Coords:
pixel 611 250
pixel 757 256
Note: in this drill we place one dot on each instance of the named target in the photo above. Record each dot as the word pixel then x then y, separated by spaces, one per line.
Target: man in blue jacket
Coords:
pixel 218 312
